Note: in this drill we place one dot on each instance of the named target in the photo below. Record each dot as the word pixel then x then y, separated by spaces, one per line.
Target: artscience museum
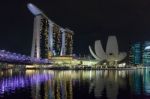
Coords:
pixel 111 56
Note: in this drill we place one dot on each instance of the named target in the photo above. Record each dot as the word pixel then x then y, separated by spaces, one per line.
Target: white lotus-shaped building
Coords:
pixel 112 54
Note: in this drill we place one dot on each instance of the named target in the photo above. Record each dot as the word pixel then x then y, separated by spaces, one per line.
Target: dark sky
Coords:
pixel 129 20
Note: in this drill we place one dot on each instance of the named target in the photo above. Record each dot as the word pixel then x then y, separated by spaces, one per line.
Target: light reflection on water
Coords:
pixel 100 84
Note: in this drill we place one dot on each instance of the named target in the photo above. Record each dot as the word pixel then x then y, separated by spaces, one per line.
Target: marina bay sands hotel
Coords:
pixel 49 39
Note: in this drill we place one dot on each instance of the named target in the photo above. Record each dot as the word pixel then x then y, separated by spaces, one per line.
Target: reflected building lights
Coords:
pixel 62 84
pixel 109 81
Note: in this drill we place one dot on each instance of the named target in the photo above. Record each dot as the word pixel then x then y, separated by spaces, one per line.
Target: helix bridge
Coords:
pixel 15 58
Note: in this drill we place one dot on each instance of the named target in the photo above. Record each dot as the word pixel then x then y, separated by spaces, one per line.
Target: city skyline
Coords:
pixel 94 19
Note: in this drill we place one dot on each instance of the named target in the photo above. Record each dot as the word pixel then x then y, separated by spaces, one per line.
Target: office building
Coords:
pixel 146 53
pixel 135 56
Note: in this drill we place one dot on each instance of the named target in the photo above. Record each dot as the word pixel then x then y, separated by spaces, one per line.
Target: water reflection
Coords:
pixel 108 82
pixel 140 82
pixel 102 84
pixel 146 81
pixel 21 81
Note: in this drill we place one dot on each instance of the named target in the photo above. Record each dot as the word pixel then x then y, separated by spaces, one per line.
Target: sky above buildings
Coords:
pixel 91 20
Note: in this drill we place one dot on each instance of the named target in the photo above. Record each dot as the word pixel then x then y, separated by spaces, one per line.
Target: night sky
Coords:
pixel 91 20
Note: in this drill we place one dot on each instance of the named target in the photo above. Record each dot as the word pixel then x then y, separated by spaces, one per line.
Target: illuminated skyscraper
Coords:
pixel 140 53
pixel 135 56
pixel 57 40
pixel 40 47
pixel 146 53
pixel 68 42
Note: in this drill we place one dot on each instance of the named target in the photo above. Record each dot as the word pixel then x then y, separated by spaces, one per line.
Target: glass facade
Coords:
pixel 136 54
pixel 146 53
pixel 140 53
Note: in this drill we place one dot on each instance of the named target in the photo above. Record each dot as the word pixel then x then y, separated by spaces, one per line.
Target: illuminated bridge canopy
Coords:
pixel 9 57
